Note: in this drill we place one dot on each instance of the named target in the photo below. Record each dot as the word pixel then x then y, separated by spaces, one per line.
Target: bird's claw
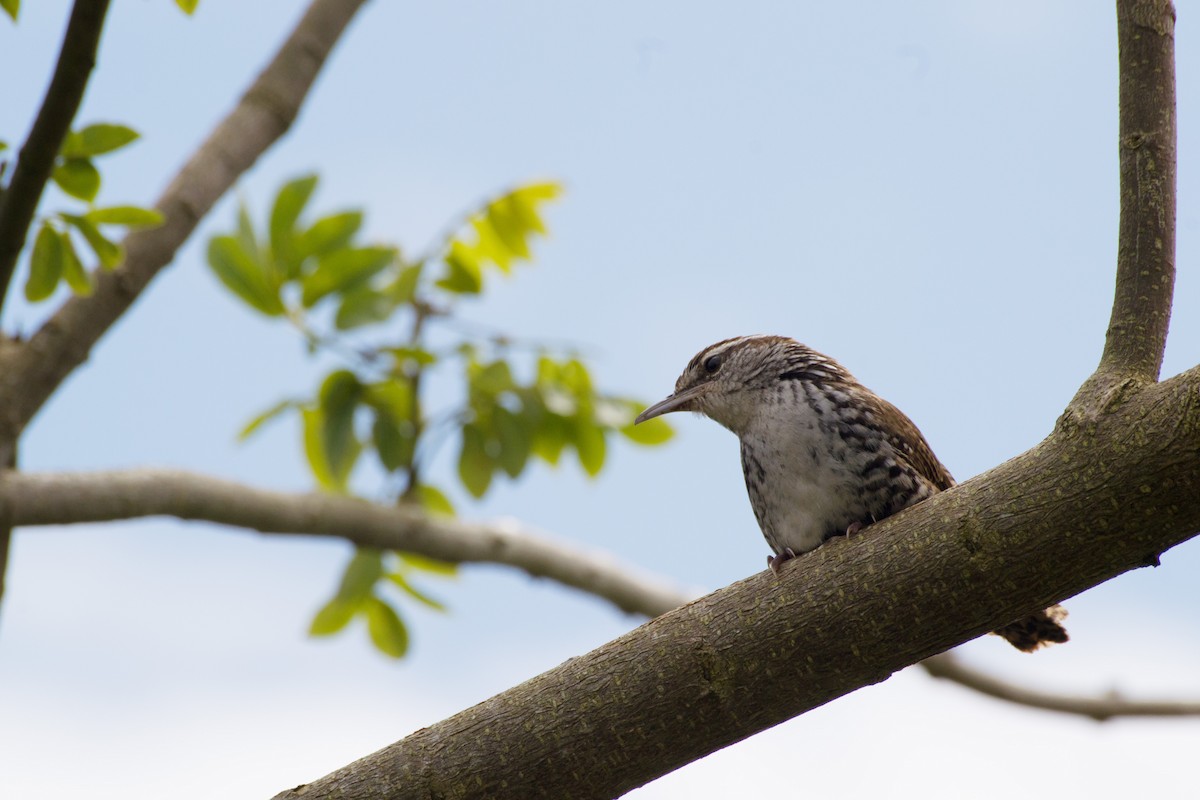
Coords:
pixel 776 561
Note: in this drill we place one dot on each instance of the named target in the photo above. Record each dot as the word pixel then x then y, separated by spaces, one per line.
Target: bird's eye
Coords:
pixel 712 364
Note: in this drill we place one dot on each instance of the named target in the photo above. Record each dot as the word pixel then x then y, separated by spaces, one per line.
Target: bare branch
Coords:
pixel 30 373
pixel 20 200
pixel 1100 709
pixel 64 498
pixel 1137 330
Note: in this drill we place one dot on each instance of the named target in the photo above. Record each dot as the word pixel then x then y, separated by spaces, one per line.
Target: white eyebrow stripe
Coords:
pixel 723 347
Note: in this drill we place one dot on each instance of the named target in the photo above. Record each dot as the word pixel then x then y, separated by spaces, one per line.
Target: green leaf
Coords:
pixel 463 274
pixel 490 246
pixel 338 447
pixel 589 444
pixel 313 420
pixel 535 193
pixel 3 144
pixel 435 501
pixel 289 204
pixel 95 140
pixel 525 203
pixel 393 397
pixel 328 234
pixel 243 275
pixel 409 358
pixel 404 288
pixel 387 631
pixel 358 580
pixel 78 278
pixel 245 233
pixel 507 221
pixel 45 265
pixel 187 6
pixel 474 464
pixel 415 593
pixel 127 216
pixel 344 269
pixel 492 378
pixel 651 432
pixel 426 564
pixel 363 306
pixel 12 8
pixel 575 375
pixel 550 437
pixel 332 617
pixel 78 178
pixel 108 253
pixel 516 441
pixel 331 475
pixel 264 417
pixel 504 227
pixel 393 441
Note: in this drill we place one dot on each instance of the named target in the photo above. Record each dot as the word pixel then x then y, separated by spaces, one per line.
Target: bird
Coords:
pixel 822 455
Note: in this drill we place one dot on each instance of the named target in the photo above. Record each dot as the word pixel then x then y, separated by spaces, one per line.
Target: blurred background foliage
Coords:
pixel 389 320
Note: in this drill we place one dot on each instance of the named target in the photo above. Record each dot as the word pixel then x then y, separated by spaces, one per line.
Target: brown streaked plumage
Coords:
pixel 822 455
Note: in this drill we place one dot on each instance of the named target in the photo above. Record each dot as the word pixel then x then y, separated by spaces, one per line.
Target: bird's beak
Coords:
pixel 680 401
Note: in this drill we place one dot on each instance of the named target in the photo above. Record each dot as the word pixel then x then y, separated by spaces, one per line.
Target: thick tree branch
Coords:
pixel 1086 505
pixel 30 372
pixel 1098 708
pixel 20 200
pixel 1137 330
pixel 55 499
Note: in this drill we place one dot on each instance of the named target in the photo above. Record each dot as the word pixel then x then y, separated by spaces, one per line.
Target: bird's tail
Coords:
pixel 1036 630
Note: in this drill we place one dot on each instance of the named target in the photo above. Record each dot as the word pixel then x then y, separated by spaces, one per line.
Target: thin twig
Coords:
pixel 416 415
pixel 1101 708
pixel 36 162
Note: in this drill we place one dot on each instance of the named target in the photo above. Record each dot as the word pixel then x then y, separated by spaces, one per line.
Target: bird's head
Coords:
pixel 730 381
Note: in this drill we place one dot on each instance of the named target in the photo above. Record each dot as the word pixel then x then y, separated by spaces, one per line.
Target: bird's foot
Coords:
pixel 854 527
pixel 776 561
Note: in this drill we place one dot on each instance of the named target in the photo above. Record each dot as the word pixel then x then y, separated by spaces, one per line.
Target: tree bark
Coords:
pixel 1137 330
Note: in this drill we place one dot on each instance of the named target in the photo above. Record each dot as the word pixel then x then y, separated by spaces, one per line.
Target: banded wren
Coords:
pixel 822 454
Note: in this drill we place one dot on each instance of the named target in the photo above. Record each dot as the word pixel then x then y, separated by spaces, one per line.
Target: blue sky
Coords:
pixel 926 191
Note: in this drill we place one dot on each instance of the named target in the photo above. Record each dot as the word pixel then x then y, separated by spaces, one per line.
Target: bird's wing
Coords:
pixel 906 439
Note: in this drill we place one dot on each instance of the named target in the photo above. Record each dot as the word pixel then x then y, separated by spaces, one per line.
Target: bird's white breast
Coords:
pixel 803 480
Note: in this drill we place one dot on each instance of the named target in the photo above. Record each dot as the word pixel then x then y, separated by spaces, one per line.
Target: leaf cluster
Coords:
pixel 55 256
pixel 511 421
pixel 359 595
pixel 373 308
